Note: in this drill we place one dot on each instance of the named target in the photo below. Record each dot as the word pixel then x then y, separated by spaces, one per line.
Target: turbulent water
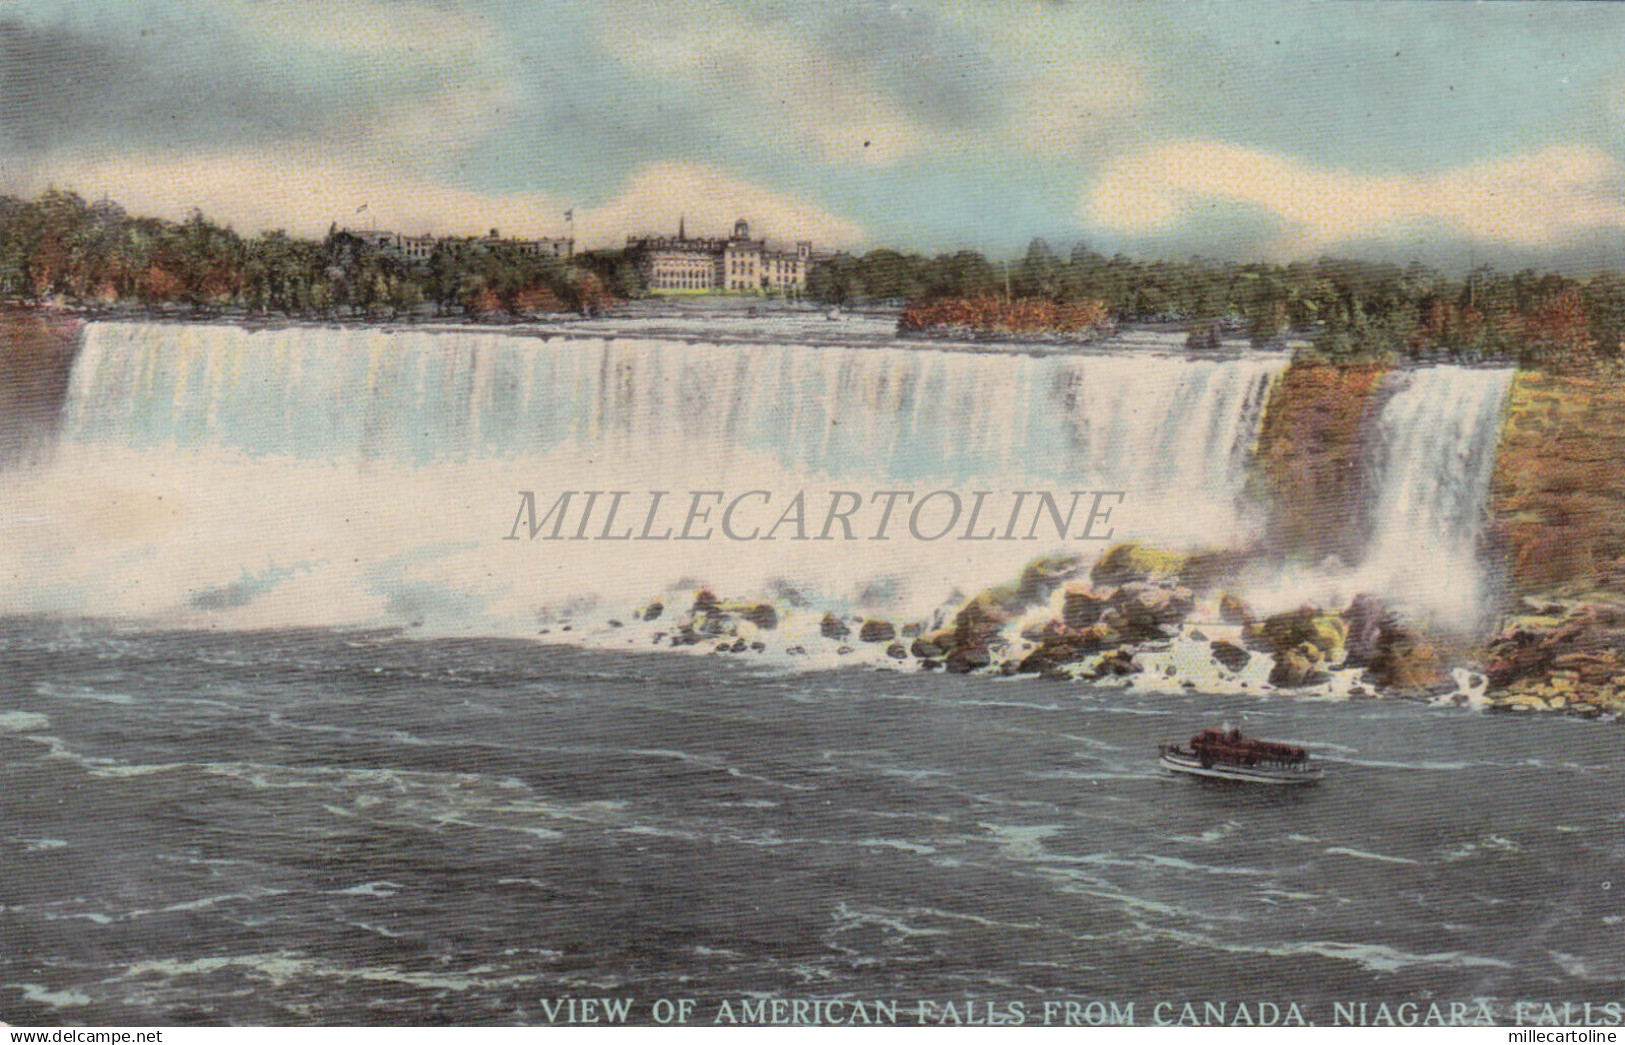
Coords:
pixel 232 788
pixel 342 828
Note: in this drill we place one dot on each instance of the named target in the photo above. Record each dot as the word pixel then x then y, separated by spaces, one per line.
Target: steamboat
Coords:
pixel 1224 754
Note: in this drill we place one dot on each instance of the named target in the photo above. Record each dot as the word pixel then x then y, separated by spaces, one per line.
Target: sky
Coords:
pixel 1451 132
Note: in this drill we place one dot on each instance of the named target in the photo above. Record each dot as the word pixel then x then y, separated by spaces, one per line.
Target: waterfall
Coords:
pixel 1151 424
pixel 1431 464
pixel 360 476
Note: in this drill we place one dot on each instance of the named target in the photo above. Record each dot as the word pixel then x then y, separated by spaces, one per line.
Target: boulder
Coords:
pixel 1299 666
pixel 877 631
pixel 1081 607
pixel 1405 665
pixel 1364 621
pixel 1117 663
pixel 1133 562
pixel 1151 611
pixel 1068 647
pixel 1232 656
pixel 832 627
pixel 763 615
pixel 925 649
pixel 896 651
pixel 1326 632
pixel 653 611
pixel 964 659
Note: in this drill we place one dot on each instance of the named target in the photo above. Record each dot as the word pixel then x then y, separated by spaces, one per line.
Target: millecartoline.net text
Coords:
pixel 808 515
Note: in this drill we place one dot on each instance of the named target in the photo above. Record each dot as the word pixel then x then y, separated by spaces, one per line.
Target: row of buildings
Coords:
pixel 421 248
pixel 735 264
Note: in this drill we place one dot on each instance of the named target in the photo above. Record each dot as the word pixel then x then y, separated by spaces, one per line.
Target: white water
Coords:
pixel 1433 459
pixel 209 474
pixel 216 475
pixel 1429 464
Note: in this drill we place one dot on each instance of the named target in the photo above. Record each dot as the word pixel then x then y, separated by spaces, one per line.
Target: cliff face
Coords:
pixel 1557 501
pixel 1311 452
pixel 36 356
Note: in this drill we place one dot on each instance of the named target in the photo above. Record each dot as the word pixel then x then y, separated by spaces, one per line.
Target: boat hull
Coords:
pixel 1240 774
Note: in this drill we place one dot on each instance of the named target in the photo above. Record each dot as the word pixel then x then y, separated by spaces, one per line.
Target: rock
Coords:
pixel 763 615
pixel 796 651
pixel 1151 611
pixel 1364 620
pixel 1133 562
pixel 1406 665
pixel 896 651
pixel 739 646
pixel 1198 635
pixel 1117 663
pixel 1230 655
pixel 925 649
pixel 1208 569
pixel 653 611
pixel 832 627
pixel 1233 611
pixel 705 602
pixel 877 631
pixel 615 623
pixel 841 651
pixel 758 647
pixel 1063 649
pixel 1081 607
pixel 966 659
pixel 1324 631
pixel 1041 577
pixel 1299 666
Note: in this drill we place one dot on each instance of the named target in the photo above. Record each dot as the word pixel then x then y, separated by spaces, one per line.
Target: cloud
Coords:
pixel 402 79
pixel 1547 199
pixel 710 201
pixel 774 81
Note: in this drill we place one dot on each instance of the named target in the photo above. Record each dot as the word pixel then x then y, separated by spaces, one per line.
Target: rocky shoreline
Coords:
pixel 1140 614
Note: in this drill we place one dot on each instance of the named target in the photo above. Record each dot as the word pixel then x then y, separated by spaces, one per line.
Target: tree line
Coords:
pixel 1350 309
pixel 59 247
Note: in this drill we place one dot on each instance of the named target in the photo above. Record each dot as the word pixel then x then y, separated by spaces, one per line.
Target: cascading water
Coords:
pixel 1431 463
pixel 361 476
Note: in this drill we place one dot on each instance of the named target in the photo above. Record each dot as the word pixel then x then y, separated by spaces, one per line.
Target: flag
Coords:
pixel 361 208
pixel 570 215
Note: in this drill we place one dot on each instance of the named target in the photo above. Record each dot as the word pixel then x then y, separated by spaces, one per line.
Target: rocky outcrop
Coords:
pixel 1557 499
pixel 1570 657
pixel 37 348
pixel 1308 470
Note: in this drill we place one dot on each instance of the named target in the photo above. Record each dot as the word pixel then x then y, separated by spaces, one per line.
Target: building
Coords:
pixel 420 249
pixel 737 264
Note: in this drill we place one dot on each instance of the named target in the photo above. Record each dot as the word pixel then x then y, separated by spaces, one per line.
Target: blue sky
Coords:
pixel 1449 131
